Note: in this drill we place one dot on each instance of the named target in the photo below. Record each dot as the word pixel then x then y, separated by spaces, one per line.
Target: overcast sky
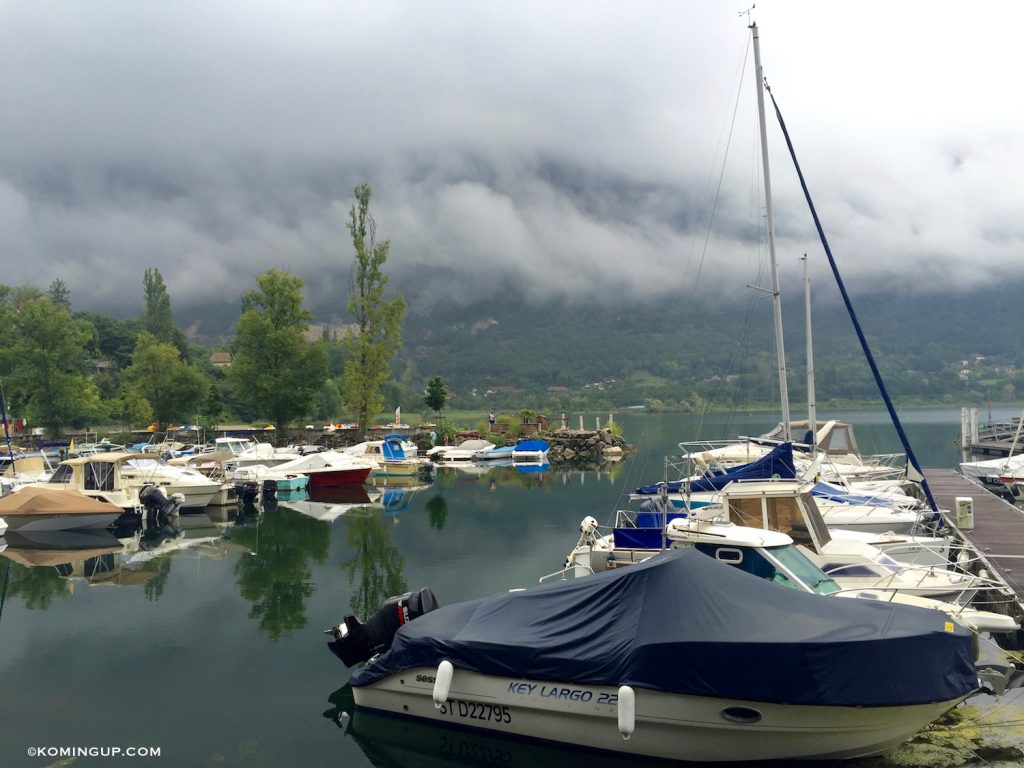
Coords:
pixel 572 148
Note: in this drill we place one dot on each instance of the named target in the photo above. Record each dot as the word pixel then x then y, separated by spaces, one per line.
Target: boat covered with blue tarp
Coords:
pixel 776 465
pixel 684 623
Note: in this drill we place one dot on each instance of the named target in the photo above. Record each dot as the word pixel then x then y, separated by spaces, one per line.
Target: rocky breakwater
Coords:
pixel 585 445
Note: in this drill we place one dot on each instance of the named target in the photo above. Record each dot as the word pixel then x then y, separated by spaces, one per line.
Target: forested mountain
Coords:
pixel 510 354
pixel 936 348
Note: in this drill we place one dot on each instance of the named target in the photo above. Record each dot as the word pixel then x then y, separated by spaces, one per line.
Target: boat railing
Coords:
pixel 576 571
pixel 955 608
pixel 965 592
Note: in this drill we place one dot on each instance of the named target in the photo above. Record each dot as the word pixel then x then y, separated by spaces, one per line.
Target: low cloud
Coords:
pixel 533 147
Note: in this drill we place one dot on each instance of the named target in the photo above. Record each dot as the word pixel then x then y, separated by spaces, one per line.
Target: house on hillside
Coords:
pixel 220 359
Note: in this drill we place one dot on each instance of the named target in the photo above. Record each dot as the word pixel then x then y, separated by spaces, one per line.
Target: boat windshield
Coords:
pixel 797 563
pixel 784 565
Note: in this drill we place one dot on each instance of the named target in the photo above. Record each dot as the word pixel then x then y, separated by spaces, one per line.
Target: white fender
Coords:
pixel 627 711
pixel 442 682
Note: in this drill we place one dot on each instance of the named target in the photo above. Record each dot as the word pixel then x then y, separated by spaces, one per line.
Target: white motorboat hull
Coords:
pixel 400 468
pixel 58 522
pixel 196 496
pixel 670 726
pixel 225 496
pixel 854 517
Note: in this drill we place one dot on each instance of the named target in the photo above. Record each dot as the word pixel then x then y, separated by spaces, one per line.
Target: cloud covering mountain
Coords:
pixel 563 149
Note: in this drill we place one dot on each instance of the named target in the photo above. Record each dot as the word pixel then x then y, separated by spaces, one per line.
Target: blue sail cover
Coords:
pixel 683 622
pixel 776 464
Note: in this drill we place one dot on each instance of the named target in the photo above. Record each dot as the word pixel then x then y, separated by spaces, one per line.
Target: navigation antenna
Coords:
pixel 748 12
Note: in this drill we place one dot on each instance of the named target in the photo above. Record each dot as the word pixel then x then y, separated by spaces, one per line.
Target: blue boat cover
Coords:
pixel 530 446
pixel 684 622
pixel 776 464
pixel 391 448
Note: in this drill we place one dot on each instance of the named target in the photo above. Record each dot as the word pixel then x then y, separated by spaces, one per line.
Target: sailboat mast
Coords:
pixel 812 406
pixel 780 347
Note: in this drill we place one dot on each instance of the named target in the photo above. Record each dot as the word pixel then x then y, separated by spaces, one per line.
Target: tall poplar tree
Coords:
pixel 378 322
pixel 157 319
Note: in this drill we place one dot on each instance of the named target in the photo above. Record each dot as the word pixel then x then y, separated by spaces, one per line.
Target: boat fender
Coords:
pixel 442 682
pixel 626 711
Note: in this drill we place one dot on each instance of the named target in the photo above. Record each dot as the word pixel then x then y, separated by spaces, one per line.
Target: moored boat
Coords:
pixel 467 450
pixel 119 477
pixel 34 508
pixel 679 657
pixel 328 469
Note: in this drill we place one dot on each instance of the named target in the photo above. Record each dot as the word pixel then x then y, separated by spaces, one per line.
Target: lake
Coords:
pixel 214 653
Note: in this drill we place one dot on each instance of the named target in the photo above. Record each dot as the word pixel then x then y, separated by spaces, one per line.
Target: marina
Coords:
pixel 218 547
pixel 233 611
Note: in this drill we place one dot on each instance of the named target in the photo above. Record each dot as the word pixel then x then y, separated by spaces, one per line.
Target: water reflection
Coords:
pixel 396 500
pixel 376 570
pixel 327 504
pixel 275 575
pixel 42 565
pixel 437 511
pixel 45 564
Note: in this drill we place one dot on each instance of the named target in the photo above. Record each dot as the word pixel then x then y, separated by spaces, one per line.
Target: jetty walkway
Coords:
pixel 998 530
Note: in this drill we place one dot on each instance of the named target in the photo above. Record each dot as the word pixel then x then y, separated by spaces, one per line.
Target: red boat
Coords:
pixel 329 469
pixel 331 478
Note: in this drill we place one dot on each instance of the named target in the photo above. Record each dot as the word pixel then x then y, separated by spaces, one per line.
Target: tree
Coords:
pixel 174 388
pixel 59 294
pixel 436 395
pixel 157 318
pixel 43 360
pixel 274 367
pixel 378 322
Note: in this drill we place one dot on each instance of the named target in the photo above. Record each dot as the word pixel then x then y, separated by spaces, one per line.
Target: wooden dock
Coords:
pixel 998 533
pixel 992 448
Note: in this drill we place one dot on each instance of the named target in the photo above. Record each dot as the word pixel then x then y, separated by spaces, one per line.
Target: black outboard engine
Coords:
pixel 355 642
pixel 248 491
pixel 160 510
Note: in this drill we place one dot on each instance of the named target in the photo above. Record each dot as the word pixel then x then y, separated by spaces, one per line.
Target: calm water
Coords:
pixel 214 652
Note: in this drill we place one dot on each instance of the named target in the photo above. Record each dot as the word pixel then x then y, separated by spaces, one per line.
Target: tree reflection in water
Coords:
pixel 437 511
pixel 275 577
pixel 377 563
pixel 36 586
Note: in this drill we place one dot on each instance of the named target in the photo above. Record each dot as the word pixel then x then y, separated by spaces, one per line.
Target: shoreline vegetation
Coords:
pixel 457 422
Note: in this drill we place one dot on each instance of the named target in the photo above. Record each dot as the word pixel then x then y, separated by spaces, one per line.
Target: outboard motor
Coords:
pixel 160 510
pixel 355 642
pixel 247 491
